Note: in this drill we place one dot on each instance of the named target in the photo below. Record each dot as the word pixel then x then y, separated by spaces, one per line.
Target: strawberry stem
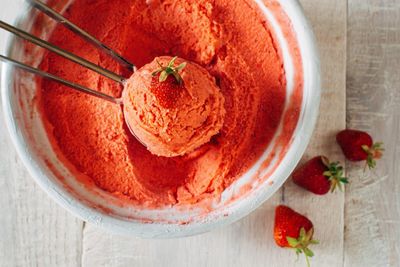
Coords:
pixel 374 152
pixel 335 174
pixel 301 243
pixel 308 261
pixel 170 69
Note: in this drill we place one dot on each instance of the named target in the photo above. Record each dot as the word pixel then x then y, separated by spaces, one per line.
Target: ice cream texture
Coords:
pixel 175 116
pixel 236 46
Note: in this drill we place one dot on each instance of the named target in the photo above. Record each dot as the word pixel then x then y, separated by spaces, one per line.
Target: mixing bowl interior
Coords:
pixel 57 178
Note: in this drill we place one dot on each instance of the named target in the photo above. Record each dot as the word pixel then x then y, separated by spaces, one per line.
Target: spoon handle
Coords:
pixel 33 39
pixel 85 35
pixel 60 80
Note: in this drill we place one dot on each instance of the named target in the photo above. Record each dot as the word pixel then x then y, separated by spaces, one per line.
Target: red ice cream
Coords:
pixel 173 118
pixel 232 41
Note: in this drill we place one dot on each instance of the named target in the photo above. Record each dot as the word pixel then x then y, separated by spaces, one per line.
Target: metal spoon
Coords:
pixel 81 61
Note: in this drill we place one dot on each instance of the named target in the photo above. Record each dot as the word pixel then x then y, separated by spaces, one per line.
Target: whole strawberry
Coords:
pixel 167 83
pixel 293 230
pixel 166 92
pixel 358 146
pixel 320 176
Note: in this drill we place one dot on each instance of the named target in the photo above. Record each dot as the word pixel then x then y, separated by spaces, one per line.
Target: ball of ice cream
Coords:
pixel 177 115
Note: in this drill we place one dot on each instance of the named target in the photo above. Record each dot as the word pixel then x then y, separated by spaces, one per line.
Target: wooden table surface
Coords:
pixel 359 42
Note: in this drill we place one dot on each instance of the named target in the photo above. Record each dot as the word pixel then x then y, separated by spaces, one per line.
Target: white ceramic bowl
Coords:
pixel 32 144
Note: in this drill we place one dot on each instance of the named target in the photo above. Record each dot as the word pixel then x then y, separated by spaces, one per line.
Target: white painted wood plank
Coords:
pixel 329 21
pixel 372 217
pixel 34 231
pixel 249 242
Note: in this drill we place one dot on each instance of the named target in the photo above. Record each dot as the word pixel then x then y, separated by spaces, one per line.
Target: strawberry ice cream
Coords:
pixel 219 123
pixel 173 119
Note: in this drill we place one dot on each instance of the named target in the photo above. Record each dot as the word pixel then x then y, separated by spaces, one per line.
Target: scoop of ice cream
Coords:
pixel 173 118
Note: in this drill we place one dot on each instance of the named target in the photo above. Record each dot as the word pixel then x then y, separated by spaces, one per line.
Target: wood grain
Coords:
pixel 249 242
pixel 34 231
pixel 372 214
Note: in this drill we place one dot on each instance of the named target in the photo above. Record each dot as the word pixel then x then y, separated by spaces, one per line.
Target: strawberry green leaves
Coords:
pixel 374 152
pixel 301 243
pixel 170 69
pixel 335 174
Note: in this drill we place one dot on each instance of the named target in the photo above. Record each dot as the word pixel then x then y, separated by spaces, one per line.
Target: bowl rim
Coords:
pixel 304 130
